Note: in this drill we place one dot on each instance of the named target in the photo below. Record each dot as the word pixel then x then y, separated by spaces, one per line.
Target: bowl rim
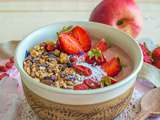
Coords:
pixel 80 92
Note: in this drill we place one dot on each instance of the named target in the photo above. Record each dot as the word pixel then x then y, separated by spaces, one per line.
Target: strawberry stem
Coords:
pixel 65 29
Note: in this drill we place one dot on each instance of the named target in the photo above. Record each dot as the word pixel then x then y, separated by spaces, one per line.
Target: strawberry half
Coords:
pixel 82 70
pixel 95 55
pixel 102 45
pixel 92 84
pixel 69 44
pixel 81 35
pixel 81 87
pixel 113 67
pixel 156 53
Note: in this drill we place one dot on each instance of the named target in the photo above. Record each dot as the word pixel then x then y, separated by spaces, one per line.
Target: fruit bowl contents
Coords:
pixel 74 61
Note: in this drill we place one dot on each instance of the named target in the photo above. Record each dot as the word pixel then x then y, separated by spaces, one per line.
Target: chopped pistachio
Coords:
pixel 64 58
pixel 56 52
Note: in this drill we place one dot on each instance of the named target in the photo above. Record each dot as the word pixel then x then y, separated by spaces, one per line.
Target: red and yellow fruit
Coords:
pixel 121 14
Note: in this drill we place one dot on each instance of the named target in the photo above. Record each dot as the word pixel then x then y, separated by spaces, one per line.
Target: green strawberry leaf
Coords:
pixel 94 53
pixel 65 29
pixel 90 54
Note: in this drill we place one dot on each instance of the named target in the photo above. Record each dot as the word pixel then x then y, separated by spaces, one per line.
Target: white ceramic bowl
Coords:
pixel 84 97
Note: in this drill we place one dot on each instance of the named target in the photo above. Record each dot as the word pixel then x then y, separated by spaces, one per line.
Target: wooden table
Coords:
pixel 20 17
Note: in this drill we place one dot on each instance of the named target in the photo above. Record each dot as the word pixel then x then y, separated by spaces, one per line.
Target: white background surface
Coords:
pixel 20 17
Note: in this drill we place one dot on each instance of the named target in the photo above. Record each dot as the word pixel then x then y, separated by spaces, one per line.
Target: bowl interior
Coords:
pixel 96 30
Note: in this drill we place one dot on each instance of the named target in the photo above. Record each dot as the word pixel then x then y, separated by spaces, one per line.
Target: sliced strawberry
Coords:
pixel 69 44
pixel 82 36
pixel 95 55
pixel 83 70
pixel 113 67
pixel 92 84
pixel 3 75
pixel 156 63
pixel 156 53
pixel 50 46
pixel 100 60
pixel 89 60
pixel 81 87
pixel 102 45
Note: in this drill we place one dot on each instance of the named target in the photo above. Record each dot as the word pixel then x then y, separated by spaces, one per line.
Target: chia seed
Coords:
pixel 69 64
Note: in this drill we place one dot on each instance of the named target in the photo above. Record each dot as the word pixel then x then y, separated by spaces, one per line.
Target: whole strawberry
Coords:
pixel 156 63
pixel 156 53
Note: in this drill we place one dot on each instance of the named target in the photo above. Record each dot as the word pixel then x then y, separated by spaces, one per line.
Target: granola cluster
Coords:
pixel 49 67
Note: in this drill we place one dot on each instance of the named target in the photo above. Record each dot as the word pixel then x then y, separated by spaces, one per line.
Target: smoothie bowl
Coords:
pixel 78 70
